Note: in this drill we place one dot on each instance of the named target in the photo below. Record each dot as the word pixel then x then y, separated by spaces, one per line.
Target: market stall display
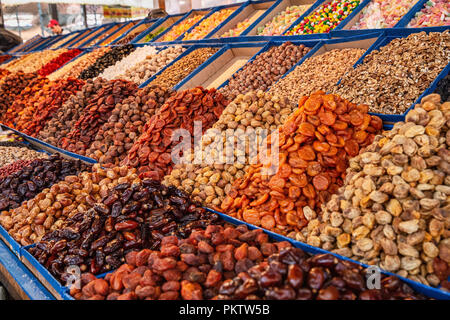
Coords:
pixel 434 14
pixel 380 14
pixel 397 189
pixel 326 17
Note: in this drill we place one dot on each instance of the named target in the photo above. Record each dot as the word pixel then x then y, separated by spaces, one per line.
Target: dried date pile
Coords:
pixel 393 210
pixel 208 182
pixel 126 123
pixel 183 67
pixel 294 275
pixel 314 146
pixel 267 68
pixel 26 183
pixel 392 78
pixel 132 217
pixel 45 103
pixel 97 113
pixel 443 88
pixel 151 153
pixel 191 269
pixel 22 101
pixel 11 86
pixel 64 118
pixel 75 194
pixel 106 60
pixel 317 73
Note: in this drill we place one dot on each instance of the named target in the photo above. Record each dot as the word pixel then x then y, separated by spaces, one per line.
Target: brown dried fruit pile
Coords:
pixel 314 146
pixel 100 107
pixel 391 79
pixel 11 87
pixel 64 118
pixel 189 269
pixel 151 153
pixel 394 208
pixel 126 123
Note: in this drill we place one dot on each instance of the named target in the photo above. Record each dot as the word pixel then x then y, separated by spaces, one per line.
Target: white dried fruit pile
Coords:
pixel 394 208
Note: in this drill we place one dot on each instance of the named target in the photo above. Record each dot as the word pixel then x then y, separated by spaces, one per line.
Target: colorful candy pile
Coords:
pixel 207 25
pixel 283 20
pixel 181 28
pixel 434 14
pixel 240 27
pixel 380 14
pixel 326 17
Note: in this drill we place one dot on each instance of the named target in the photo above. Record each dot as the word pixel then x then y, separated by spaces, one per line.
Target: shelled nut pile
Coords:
pixel 126 123
pixel 266 69
pixel 314 146
pixel 64 118
pixel 209 183
pixel 133 216
pixel 391 79
pixel 151 153
pixel 393 209
pixel 317 73
pixel 49 210
pixel 10 154
pixel 181 68
pixel 151 65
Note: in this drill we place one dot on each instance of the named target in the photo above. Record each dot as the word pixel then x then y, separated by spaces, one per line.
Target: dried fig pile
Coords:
pixel 393 210
pixel 49 210
pixel 64 118
pixel 133 216
pixel 314 146
pixel 97 113
pixel 151 153
pixel 126 123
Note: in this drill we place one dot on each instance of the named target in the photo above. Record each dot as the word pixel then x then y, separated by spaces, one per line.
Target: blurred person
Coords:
pixel 55 27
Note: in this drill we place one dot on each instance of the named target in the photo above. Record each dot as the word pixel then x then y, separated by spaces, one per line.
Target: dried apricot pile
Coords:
pixel 314 146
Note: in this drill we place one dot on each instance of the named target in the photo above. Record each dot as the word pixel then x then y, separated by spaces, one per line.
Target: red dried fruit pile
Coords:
pixel 4 73
pixel 9 169
pixel 11 86
pixel 190 269
pixel 57 63
pixel 96 114
pixel 4 57
pixel 151 153
pixel 44 103
pixel 315 144
pixel 23 100
pixel 293 275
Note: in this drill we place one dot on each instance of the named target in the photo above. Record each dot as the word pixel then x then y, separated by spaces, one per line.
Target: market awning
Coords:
pixel 130 3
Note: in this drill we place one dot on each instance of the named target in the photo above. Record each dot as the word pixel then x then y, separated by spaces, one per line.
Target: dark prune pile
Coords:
pixel 26 183
pixel 131 217
pixel 294 275
pixel 443 88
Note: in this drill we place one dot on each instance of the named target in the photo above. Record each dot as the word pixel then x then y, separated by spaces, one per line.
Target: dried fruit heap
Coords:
pixel 133 216
pixel 151 153
pixel 126 124
pixel 11 86
pixel 96 114
pixel 44 103
pixel 315 144
pixel 192 268
pixel 394 207
pixel 57 62
pixel 293 275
